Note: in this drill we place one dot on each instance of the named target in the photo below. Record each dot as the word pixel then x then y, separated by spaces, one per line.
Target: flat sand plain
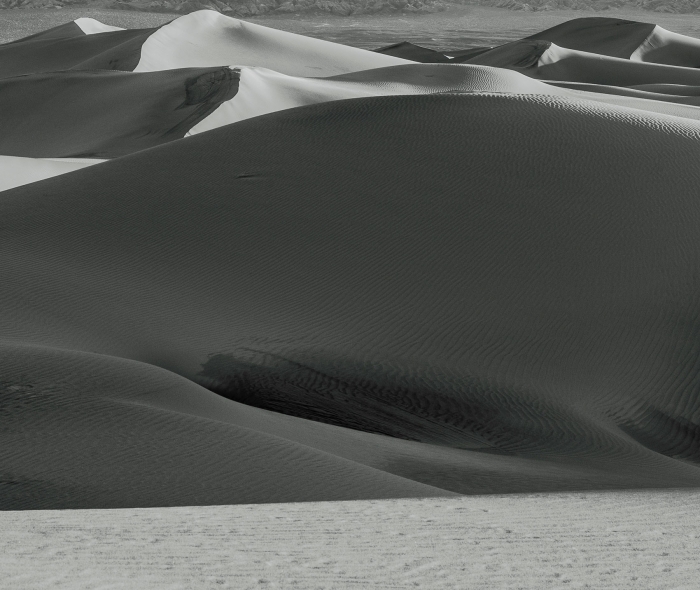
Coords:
pixel 586 540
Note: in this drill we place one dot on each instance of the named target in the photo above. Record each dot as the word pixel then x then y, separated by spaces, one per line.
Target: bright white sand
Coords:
pixel 16 171
pixel 263 91
pixel 90 26
pixel 586 540
pixel 207 38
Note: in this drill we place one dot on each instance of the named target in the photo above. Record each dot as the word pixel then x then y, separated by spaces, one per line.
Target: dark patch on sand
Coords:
pixel 517 55
pixel 427 408
pixel 204 94
pixel 407 50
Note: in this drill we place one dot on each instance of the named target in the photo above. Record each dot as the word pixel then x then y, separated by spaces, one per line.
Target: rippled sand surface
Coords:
pixel 621 540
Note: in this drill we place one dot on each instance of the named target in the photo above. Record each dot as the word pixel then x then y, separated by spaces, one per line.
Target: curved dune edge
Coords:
pixel 263 91
pixel 446 321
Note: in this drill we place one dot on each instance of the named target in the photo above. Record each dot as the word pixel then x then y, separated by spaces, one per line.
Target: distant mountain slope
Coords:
pixel 349 7
pixel 245 7
pixel 668 6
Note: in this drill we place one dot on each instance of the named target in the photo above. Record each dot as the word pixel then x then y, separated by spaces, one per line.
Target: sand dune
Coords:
pixel 413 52
pixel 499 317
pixel 208 38
pixel 625 39
pixel 360 277
pixel 263 91
pixel 547 61
pixel 606 36
pixel 111 433
pixel 107 114
pixel 69 47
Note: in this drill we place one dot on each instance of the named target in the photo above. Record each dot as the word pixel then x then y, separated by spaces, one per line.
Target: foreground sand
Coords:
pixel 592 540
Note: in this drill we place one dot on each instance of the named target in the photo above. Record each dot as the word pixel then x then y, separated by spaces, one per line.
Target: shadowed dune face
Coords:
pixel 635 54
pixel 117 50
pixel 413 52
pixel 102 439
pixel 499 316
pixel 607 36
pixel 101 114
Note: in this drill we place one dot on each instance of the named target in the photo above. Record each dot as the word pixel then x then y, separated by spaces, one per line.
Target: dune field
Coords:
pixel 245 266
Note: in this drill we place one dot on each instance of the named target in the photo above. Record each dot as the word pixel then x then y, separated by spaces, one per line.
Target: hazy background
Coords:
pixel 455 27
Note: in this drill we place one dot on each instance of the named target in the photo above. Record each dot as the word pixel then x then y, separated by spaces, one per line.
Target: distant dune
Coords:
pixel 312 272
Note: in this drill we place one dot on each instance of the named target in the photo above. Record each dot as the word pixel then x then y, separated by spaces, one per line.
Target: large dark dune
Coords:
pixel 525 300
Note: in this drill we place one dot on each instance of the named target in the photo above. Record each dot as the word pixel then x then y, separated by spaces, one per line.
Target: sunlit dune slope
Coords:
pixel 262 91
pixel 208 38
pixel 19 171
pixel 528 293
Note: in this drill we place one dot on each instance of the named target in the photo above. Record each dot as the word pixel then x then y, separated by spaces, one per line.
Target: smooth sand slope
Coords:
pixel 420 292
pixel 635 541
pixel 208 38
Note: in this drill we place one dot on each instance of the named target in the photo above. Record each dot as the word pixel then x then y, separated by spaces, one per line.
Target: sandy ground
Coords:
pixel 457 28
pixel 586 540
